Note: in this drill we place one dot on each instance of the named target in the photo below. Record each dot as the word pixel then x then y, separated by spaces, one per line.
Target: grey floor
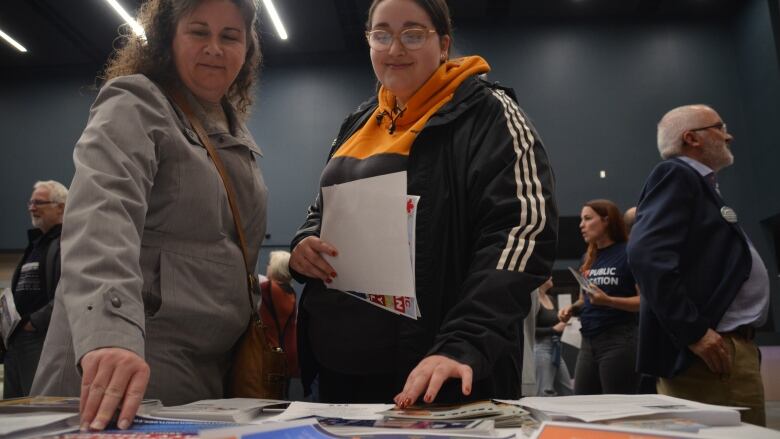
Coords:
pixel 773 414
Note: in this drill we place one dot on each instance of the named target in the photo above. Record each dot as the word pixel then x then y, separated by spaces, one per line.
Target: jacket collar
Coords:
pixel 700 167
pixel 239 136
pixel 35 233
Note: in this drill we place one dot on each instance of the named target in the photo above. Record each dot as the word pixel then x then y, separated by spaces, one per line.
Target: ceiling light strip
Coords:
pixel 137 29
pixel 269 5
pixel 12 42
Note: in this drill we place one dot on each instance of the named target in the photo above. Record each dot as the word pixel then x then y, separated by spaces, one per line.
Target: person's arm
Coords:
pixel 599 297
pixel 509 188
pixel 551 330
pixel 306 261
pixel 565 313
pixel 116 160
pixel 658 238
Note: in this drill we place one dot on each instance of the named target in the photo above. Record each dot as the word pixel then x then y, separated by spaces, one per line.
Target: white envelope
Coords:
pixel 366 221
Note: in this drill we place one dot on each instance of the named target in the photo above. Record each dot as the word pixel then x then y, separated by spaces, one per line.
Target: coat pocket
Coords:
pixel 151 292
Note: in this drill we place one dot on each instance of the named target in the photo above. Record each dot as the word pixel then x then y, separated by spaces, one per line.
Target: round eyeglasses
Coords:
pixel 412 39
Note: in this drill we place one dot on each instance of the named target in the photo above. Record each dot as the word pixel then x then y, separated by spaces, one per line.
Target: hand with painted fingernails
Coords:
pixel 428 377
pixel 113 378
pixel 306 258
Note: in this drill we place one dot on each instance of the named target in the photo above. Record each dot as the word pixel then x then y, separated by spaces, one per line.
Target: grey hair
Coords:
pixel 57 191
pixel 674 124
pixel 279 266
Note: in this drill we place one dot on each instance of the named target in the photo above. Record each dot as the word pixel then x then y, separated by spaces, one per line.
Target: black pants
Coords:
pixel 607 362
pixel 339 388
pixel 21 361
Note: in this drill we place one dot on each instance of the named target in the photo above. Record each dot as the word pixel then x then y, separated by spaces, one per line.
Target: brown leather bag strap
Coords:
pixel 182 102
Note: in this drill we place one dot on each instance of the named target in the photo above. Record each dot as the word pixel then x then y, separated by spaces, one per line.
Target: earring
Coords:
pixel 443 57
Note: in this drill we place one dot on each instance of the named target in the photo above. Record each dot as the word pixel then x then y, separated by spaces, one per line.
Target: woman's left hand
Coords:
pixel 429 376
pixel 599 297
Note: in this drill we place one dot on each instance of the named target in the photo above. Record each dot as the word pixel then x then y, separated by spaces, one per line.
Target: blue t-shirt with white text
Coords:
pixel 611 273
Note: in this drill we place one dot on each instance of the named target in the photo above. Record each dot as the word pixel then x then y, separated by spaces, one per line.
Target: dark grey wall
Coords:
pixel 40 121
pixel 759 151
pixel 595 92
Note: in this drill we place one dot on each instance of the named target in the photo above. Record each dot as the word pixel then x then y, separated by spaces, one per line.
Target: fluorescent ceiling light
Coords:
pixel 12 42
pixel 125 16
pixel 603 174
pixel 269 5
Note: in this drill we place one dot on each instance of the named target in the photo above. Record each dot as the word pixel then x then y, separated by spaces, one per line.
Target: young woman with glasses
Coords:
pixel 486 225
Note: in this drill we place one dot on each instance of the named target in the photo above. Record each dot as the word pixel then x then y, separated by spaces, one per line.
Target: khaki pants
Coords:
pixel 742 387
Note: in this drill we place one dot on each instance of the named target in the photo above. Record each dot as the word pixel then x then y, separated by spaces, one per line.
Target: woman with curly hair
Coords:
pixel 152 296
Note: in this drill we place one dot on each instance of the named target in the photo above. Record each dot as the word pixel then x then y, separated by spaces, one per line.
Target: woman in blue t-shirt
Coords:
pixel 606 362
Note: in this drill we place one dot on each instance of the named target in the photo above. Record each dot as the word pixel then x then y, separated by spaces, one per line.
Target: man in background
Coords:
pixel 704 287
pixel 33 285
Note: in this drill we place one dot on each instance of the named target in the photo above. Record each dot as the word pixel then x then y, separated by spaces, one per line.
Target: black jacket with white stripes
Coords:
pixel 485 238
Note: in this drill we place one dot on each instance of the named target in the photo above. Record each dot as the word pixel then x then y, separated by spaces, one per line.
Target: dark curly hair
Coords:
pixel 153 56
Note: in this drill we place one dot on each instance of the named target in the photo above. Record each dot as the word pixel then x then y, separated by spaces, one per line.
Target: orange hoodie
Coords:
pixel 395 133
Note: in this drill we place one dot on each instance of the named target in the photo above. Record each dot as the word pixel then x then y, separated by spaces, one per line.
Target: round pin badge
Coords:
pixel 728 214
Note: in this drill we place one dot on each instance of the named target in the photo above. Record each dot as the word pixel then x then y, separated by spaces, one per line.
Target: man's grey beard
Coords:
pixel 36 222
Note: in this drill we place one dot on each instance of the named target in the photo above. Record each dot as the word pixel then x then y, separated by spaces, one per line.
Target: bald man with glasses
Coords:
pixel 704 287
pixel 33 284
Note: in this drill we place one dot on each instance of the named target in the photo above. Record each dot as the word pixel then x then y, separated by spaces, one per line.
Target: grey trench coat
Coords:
pixel 150 260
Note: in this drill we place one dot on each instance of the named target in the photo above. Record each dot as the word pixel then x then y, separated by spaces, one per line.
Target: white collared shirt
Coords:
pixel 751 304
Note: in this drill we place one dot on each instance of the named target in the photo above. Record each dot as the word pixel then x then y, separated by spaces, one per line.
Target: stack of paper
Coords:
pixel 70 404
pixel 598 408
pixel 503 415
pixel 238 410
pixel 372 222
pixel 34 425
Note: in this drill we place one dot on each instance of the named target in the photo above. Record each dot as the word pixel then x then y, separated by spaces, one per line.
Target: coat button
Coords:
pixel 116 302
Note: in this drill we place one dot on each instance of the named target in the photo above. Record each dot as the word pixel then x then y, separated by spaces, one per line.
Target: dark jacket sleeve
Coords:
pixel 40 318
pixel 512 222
pixel 546 330
pixel 664 215
pixel 310 227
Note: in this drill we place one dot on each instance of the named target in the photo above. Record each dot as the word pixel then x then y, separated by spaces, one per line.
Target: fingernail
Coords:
pixel 468 390
pixel 84 426
pixel 428 398
pixel 328 281
pixel 123 424
pixel 333 274
pixel 97 425
pixel 408 401
pixel 334 254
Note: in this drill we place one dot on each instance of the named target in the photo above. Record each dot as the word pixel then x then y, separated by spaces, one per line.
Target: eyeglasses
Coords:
pixel 720 125
pixel 39 203
pixel 412 39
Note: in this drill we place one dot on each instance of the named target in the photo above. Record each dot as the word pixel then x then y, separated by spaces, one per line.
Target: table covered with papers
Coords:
pixel 582 417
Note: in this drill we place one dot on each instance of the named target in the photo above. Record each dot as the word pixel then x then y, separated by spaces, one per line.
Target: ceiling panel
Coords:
pixel 62 33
